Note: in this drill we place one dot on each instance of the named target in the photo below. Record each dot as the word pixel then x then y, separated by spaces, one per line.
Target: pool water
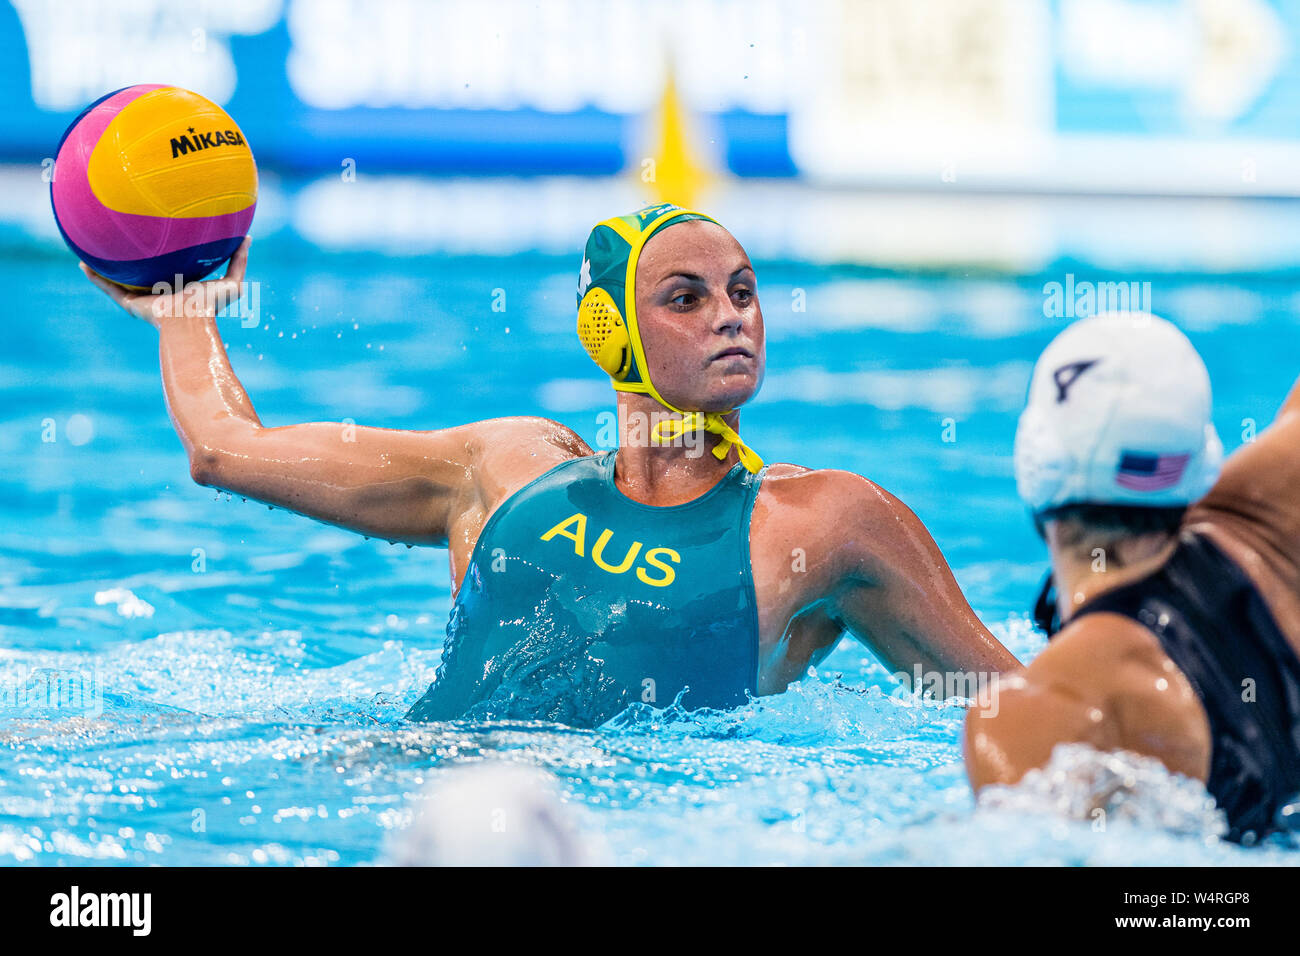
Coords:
pixel 244 671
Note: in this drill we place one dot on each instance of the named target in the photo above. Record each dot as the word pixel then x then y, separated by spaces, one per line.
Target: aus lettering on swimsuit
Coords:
pixel 660 560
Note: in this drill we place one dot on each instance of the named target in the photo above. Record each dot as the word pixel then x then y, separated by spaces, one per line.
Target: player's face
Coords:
pixel 699 318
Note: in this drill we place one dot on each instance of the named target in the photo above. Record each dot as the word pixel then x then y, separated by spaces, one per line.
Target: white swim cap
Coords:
pixel 493 813
pixel 1118 414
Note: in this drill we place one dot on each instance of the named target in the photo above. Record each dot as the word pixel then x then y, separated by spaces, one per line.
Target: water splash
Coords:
pixel 1081 783
pixel 812 712
pixel 128 605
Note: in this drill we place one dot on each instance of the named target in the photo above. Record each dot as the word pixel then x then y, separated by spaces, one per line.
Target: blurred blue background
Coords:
pixel 882 106
pixel 782 87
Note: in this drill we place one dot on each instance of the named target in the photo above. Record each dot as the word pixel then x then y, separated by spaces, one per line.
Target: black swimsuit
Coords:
pixel 1211 621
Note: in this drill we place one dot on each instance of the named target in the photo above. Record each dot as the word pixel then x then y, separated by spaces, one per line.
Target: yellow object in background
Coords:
pixel 672 168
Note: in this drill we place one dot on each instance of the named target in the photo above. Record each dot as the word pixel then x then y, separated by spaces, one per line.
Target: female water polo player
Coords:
pixel 587 581
pixel 1178 581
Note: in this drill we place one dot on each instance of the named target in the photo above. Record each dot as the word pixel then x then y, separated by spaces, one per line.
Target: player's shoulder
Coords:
pixel 833 493
pixel 788 478
pixel 532 432
pixel 507 453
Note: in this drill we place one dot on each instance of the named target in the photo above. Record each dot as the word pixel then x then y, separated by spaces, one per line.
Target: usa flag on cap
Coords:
pixel 1139 471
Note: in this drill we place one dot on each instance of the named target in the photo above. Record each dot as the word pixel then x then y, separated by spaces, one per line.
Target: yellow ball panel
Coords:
pixel 173 153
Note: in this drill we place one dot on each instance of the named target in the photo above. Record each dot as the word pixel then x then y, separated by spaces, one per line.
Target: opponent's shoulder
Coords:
pixel 1103 681
pixel 1117 672
pixel 1094 661
pixel 1101 656
pixel 1116 656
pixel 1102 637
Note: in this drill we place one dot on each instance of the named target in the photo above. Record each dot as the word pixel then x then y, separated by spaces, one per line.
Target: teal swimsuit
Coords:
pixel 579 601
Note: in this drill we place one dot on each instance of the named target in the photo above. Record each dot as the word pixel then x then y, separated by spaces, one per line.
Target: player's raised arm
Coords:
pixel 399 485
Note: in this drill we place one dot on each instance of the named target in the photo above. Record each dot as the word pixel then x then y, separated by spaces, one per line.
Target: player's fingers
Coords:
pixel 111 289
pixel 239 261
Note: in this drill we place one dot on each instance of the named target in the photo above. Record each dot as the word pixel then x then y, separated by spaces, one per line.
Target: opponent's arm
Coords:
pixel 896 593
pixel 1292 401
pixel 1257 488
pixel 399 485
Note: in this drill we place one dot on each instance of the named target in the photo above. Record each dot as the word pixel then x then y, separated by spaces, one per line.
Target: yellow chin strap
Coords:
pixel 665 432
pixel 613 341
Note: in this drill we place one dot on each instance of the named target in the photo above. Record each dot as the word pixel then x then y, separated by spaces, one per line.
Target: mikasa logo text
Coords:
pixel 198 141
pixel 102 909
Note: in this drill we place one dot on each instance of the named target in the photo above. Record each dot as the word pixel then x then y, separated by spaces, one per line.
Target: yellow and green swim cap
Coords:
pixel 607 320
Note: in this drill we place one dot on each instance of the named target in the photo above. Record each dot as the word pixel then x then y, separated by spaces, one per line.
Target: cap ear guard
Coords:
pixel 604 333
